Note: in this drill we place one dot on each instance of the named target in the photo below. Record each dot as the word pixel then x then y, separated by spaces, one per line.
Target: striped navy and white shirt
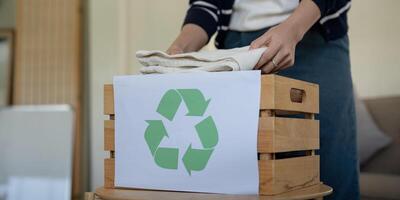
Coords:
pixel 214 16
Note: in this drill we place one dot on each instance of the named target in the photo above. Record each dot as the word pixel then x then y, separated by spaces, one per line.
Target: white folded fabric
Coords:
pixel 212 61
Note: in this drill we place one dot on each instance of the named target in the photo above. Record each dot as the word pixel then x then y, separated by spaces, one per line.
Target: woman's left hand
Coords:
pixel 281 41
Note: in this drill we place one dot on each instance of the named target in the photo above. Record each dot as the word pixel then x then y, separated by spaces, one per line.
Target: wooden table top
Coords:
pixel 312 192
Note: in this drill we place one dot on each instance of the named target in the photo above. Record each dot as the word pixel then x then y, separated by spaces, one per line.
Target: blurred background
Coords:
pixel 62 52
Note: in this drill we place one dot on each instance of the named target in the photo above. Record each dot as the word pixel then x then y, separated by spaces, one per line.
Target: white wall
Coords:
pixel 375 47
pixel 117 29
pixel 103 64
pixel 152 24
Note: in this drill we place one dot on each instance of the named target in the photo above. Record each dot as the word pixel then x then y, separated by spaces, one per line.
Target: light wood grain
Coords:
pixel 108 99
pixel 109 135
pixel 276 94
pixel 312 192
pixel 277 134
pixel 109 172
pixel 278 176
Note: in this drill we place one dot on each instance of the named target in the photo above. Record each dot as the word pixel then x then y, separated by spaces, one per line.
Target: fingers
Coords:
pixel 260 42
pixel 267 56
pixel 282 61
pixel 286 63
pixel 280 56
pixel 263 40
pixel 267 68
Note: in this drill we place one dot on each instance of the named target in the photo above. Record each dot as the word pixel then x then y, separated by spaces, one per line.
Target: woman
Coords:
pixel 306 40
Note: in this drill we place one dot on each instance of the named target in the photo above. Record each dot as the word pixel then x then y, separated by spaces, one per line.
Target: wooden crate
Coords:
pixel 279 135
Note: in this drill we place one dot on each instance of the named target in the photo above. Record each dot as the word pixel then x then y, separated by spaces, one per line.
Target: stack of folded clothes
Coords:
pixel 237 59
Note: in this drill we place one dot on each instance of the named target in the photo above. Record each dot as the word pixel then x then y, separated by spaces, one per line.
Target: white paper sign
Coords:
pixel 188 132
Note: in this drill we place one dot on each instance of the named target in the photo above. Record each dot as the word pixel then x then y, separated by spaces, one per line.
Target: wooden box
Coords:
pixel 288 135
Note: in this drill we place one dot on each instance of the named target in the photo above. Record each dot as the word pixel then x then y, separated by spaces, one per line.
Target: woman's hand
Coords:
pixel 191 38
pixel 282 39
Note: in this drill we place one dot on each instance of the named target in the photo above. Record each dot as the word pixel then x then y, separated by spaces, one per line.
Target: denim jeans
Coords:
pixel 326 63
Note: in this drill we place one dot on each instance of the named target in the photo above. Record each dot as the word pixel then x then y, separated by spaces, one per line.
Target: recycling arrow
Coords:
pixel 195 101
pixel 196 159
pixel 193 159
pixel 169 104
pixel 167 157
pixel 154 133
pixel 207 132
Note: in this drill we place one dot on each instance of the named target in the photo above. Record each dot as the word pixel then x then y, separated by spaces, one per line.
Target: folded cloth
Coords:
pixel 212 61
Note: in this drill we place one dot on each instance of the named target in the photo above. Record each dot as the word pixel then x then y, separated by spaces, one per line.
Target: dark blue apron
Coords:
pixel 326 63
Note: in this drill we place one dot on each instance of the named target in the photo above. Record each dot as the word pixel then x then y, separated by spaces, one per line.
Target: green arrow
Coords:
pixel 169 104
pixel 207 132
pixel 154 133
pixel 196 159
pixel 195 101
pixel 167 157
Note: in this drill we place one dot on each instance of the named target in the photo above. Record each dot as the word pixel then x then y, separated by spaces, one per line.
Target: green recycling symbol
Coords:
pixel 193 159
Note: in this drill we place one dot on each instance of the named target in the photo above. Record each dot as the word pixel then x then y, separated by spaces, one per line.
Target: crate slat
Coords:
pixel 283 175
pixel 276 176
pixel 281 93
pixel 277 134
pixel 109 135
pixel 277 93
pixel 109 172
pixel 108 99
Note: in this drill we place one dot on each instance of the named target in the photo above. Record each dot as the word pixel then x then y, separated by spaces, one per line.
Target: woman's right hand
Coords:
pixel 191 38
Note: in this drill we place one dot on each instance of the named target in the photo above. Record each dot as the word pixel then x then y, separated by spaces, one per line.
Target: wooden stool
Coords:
pixel 312 192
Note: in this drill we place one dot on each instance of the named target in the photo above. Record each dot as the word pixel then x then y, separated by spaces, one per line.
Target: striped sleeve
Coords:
pixel 324 6
pixel 331 9
pixel 204 13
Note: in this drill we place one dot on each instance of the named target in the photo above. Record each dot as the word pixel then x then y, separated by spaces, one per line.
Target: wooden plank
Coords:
pixel 109 135
pixel 277 134
pixel 279 176
pixel 108 99
pixel 311 192
pixel 277 93
pixel 276 176
pixel 109 141
pixel 281 93
pixel 109 169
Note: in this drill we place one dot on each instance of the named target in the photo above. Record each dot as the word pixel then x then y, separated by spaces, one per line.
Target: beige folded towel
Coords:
pixel 212 61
